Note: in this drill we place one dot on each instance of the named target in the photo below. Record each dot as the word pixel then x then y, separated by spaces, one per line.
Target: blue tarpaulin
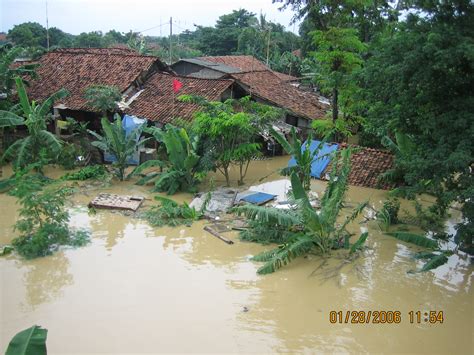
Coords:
pixel 258 198
pixel 320 161
pixel 129 123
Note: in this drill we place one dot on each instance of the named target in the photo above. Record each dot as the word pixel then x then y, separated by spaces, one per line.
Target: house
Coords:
pixel 260 82
pixel 75 69
pixel 367 164
pixel 219 66
pixel 158 102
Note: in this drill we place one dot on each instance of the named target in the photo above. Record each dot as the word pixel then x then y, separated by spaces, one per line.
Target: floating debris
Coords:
pixel 119 202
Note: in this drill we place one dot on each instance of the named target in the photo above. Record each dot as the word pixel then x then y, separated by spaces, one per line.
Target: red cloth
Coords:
pixel 177 85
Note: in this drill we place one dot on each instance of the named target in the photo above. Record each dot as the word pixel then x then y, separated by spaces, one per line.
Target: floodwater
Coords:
pixel 137 289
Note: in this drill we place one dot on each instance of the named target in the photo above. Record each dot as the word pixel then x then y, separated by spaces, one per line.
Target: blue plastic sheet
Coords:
pixel 258 198
pixel 321 161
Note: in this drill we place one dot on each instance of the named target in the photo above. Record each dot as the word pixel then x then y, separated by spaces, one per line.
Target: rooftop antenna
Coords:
pixel 47 27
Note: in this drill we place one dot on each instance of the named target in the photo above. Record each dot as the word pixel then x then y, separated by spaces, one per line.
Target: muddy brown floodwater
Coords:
pixel 138 289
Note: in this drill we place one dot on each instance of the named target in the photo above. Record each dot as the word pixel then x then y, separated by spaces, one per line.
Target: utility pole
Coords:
pixel 268 43
pixel 171 34
pixel 47 27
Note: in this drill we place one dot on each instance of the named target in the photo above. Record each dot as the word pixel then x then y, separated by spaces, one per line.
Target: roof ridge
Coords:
pixel 130 54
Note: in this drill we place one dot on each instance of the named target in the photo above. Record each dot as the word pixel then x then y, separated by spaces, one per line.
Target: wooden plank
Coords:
pixel 217 235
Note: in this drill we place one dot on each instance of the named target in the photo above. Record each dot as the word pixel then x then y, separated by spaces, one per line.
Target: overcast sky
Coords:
pixel 76 16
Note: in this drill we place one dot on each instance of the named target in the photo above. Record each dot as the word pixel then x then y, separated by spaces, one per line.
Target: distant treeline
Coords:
pixel 239 32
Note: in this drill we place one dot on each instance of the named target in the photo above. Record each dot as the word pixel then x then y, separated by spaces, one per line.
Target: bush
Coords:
pixel 88 172
pixel 43 223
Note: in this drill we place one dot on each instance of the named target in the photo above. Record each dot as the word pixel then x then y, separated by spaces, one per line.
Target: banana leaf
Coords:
pixel 433 263
pixel 415 239
pixel 31 341
pixel 359 243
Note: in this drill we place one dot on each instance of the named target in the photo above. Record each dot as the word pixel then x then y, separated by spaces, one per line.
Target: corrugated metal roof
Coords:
pixel 208 64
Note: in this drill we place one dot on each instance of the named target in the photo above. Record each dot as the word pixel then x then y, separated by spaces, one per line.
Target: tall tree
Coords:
pixel 419 81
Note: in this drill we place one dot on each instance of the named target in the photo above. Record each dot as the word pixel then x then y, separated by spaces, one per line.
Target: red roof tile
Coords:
pixel 367 164
pixel 159 103
pixel 268 86
pixel 75 69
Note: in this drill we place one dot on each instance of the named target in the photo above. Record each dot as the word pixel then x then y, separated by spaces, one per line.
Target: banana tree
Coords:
pixel 35 117
pixel 302 230
pixel 181 165
pixel 301 153
pixel 116 141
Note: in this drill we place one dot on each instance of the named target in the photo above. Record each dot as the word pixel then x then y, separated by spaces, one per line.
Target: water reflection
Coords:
pixel 45 279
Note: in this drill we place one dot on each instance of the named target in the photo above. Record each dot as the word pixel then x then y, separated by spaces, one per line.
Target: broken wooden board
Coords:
pixel 119 202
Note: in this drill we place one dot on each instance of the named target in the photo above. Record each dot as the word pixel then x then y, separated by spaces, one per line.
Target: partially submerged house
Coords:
pixel 158 102
pixel 264 85
pixel 75 69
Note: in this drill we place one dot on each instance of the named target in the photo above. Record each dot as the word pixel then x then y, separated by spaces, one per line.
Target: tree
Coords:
pixel 8 72
pixel 419 81
pixel 302 230
pixel 92 39
pixel 229 130
pixel 103 98
pixel 116 141
pixel 28 34
pixel 339 54
pixel 40 143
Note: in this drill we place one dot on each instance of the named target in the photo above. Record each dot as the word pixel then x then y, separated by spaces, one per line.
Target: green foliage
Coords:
pixel 6 249
pixel 35 117
pixel 182 171
pixel 301 153
pixel 338 55
pixel 301 229
pixel 359 243
pixel 116 141
pixel 419 82
pixel 172 214
pixel 229 130
pixel 103 98
pixel 67 158
pixel 8 72
pixel 31 341
pixel 88 172
pixel 388 214
pixel 415 239
pixel 43 223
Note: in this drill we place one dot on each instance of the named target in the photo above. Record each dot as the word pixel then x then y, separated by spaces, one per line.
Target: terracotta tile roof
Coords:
pixel 268 86
pixel 159 103
pixel 367 164
pixel 246 63
pixel 75 69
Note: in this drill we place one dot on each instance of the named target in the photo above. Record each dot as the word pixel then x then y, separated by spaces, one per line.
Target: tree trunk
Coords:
pixel 226 174
pixel 335 110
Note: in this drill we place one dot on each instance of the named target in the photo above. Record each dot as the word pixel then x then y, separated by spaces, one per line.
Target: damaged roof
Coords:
pixel 159 103
pixel 75 69
pixel 367 164
pixel 267 86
